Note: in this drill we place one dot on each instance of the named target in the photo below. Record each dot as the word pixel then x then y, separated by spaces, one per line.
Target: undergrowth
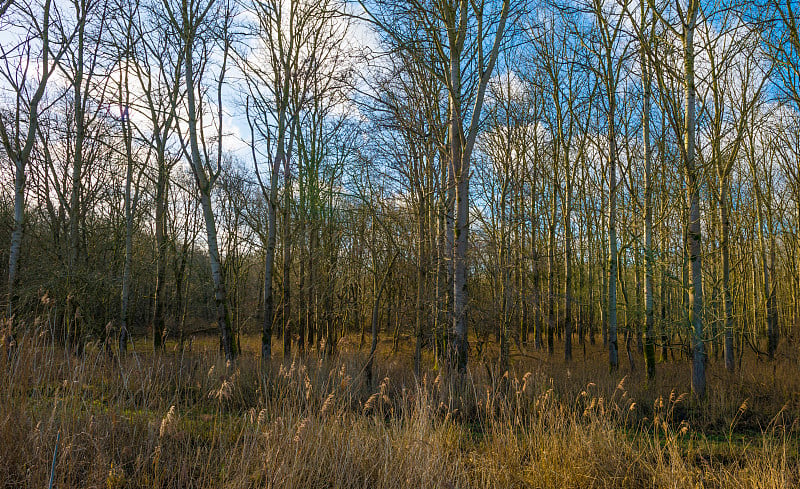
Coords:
pixel 185 419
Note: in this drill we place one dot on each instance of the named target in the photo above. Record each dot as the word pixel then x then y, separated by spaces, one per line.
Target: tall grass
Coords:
pixel 185 419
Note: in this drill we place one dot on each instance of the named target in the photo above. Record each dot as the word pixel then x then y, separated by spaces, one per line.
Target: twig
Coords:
pixel 53 467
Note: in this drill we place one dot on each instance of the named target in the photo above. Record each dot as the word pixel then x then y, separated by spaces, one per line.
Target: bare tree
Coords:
pixel 190 20
pixel 18 127
pixel 124 41
pixel 681 22
pixel 457 30
pixel 157 68
pixel 295 42
pixel 611 47
pixel 735 86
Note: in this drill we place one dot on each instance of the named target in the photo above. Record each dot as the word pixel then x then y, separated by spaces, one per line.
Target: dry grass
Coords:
pixel 187 420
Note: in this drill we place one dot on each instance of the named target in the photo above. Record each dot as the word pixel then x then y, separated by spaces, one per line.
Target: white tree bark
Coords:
pixel 694 236
pixel 18 142
pixel 188 21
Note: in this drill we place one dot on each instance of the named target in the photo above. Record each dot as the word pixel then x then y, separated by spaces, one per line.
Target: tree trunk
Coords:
pixel 694 232
pixel 16 234
pixel 420 304
pixel 649 348
pixel 568 271
pixel 505 285
pixel 220 292
pixel 551 277
pixel 162 184
pixel 20 158
pixel 772 305
pixel 269 261
pixel 726 270
pixel 204 186
pixel 459 172
pixel 126 273
pixel 613 350
pixel 665 337
pixel 286 315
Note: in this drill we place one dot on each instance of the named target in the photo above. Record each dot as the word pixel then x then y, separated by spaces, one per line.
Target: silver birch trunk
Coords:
pixel 460 156
pixel 567 261
pixel 649 347
pixel 126 272
pixel 505 291
pixel 551 276
pixel 420 304
pixel 269 261
pixel 204 186
pixel 694 231
pixel 162 183
pixel 613 350
pixel 726 271
pixel 19 223
pixel 286 317
pixel 19 150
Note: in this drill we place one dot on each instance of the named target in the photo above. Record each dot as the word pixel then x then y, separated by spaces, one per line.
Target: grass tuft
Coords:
pixel 186 419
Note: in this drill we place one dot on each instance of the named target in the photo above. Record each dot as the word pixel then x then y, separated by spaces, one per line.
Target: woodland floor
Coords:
pixel 186 420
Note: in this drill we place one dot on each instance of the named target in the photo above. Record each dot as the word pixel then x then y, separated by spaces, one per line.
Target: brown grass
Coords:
pixel 188 420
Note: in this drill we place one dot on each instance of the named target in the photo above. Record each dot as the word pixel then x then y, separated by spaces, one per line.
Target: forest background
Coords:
pixel 460 196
